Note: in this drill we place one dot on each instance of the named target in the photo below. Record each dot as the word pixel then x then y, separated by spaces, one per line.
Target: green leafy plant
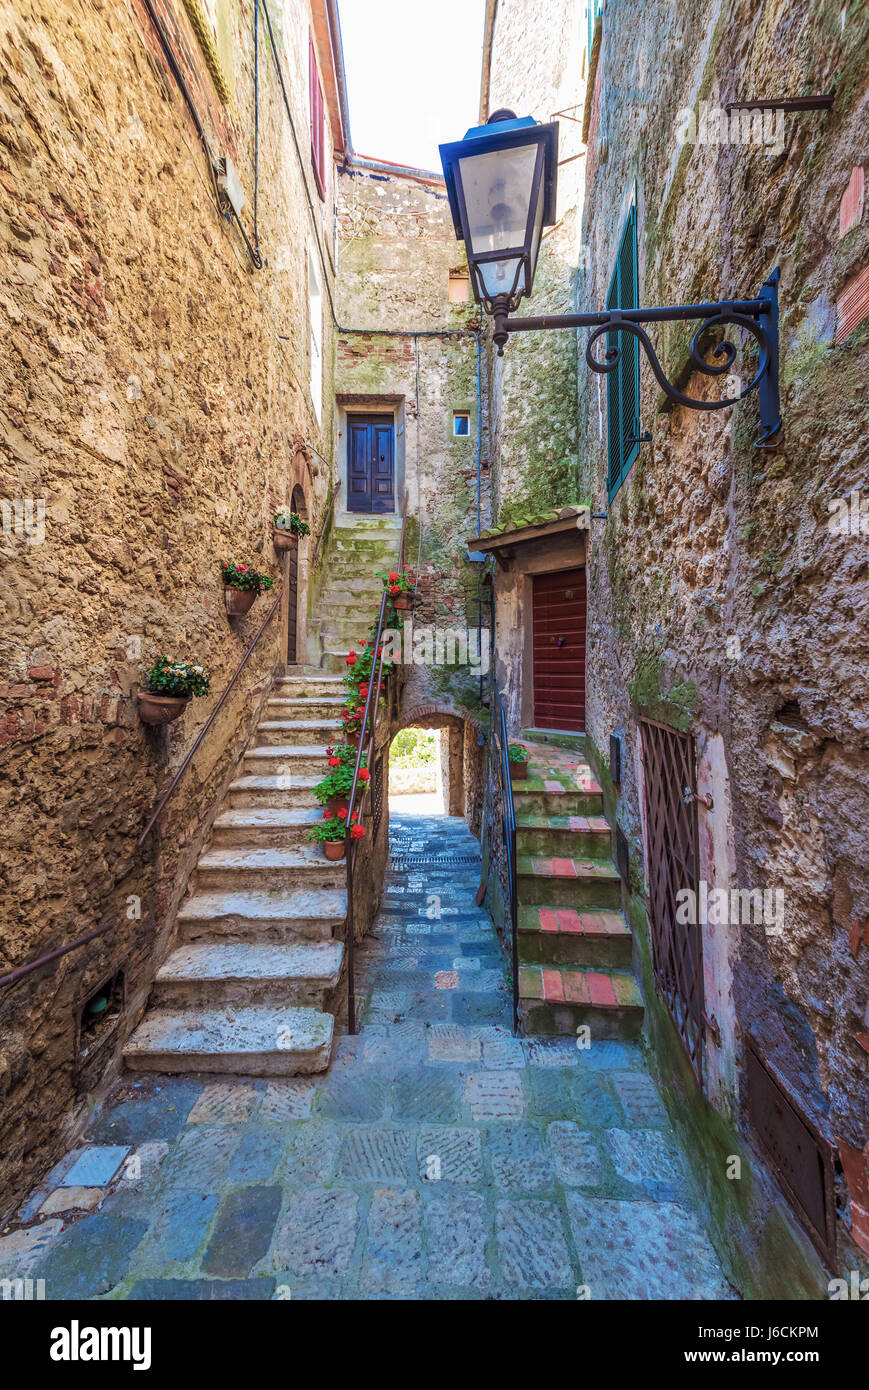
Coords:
pixel 286 520
pixel 397 582
pixel 245 577
pixel 334 827
pixel 339 779
pixel 178 678
pixel 517 753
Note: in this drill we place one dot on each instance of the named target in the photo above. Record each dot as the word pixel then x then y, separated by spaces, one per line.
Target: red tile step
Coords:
pixel 559 999
pixel 576 835
pixel 550 935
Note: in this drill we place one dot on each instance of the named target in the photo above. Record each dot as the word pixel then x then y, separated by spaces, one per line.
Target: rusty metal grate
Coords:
pixel 399 860
pixel 801 1158
pixel 671 829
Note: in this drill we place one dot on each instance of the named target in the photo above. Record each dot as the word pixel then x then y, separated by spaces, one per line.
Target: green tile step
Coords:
pixel 567 882
pixel 559 999
pixel 551 935
pixel 539 834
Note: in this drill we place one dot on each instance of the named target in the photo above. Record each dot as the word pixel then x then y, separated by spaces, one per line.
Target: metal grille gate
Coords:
pixel 671 828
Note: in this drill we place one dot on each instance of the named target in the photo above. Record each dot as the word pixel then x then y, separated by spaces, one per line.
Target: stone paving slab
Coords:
pixel 438 1158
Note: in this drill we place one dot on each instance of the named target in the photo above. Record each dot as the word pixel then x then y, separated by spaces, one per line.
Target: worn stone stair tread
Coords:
pixel 318 961
pixel 275 782
pixel 258 1041
pixel 251 905
pixel 276 817
pixel 265 860
pixel 556 866
pixel 287 750
pixel 556 984
pixel 305 702
pixel 271 725
pixel 598 922
pixel 583 825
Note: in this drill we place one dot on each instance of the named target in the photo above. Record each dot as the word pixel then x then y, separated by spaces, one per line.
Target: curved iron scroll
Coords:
pixel 616 323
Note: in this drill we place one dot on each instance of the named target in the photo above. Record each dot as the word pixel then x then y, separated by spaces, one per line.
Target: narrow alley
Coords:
pixel 439 1158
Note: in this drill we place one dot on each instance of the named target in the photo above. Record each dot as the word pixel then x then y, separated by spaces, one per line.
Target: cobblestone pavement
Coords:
pixel 438 1158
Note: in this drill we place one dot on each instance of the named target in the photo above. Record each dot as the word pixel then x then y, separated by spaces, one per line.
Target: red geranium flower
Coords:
pixel 357 832
pixel 334 762
pixel 364 774
pixel 392 578
pixel 351 659
pixel 394 589
pixel 342 812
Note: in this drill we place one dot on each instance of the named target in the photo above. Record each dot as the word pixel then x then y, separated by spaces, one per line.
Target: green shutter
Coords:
pixel 623 385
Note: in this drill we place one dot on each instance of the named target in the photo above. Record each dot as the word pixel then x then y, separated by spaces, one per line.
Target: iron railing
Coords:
pixel 330 508
pixel 504 790
pixel 366 748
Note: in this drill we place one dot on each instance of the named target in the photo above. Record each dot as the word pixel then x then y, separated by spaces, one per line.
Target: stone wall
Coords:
pixel 397 246
pixel 155 396
pixel 720 601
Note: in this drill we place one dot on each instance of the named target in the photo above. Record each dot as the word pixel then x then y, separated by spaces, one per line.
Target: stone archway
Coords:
pixel 463 755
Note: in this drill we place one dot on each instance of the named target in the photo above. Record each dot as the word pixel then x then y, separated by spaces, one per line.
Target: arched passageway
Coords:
pixel 455 778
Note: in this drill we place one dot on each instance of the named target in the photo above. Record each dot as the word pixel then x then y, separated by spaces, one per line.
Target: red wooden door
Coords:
pixel 558 616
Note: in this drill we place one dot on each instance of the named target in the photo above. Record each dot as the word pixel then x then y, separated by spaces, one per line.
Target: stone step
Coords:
pixel 236 1042
pixel 315 685
pixel 264 914
pixel 563 936
pixel 579 883
pixel 214 973
pixel 577 836
pixel 304 866
pixel 334 660
pixel 271 732
pixel 306 707
pixel 265 827
pixel 555 738
pixel 558 1000
pixel 332 612
pixel 285 790
pixel 532 797
pixel 271 759
pixel 346 632
pixel 343 584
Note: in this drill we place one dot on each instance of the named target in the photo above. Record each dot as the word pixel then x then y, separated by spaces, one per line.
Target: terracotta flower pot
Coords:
pixel 519 771
pixel 333 849
pixel 238 601
pixel 352 739
pixel 161 709
pixel 402 603
pixel 284 540
pixel 336 803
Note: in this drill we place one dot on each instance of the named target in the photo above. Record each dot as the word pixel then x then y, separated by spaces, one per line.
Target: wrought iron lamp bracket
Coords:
pixel 757 317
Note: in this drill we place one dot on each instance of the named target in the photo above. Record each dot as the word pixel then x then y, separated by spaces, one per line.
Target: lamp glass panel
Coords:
pixel 497 186
pixel 498 276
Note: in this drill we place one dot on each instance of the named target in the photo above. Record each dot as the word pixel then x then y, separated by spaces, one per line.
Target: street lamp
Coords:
pixel 501 186
pixel 501 182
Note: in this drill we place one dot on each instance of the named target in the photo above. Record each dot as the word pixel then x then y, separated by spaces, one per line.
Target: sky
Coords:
pixel 413 75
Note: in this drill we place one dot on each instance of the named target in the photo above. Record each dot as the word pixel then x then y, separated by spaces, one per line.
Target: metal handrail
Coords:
pixel 500 746
pixel 207 725
pixel 374 684
pixel 326 519
pixel 80 941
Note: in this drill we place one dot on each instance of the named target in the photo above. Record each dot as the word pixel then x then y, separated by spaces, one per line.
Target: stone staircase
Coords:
pixel 574 943
pixel 248 988
pixel 350 594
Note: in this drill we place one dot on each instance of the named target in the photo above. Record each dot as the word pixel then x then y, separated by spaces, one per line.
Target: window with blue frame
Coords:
pixel 623 385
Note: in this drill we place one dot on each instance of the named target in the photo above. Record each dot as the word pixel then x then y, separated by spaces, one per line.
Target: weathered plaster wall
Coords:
pixel 719 599
pixel 154 394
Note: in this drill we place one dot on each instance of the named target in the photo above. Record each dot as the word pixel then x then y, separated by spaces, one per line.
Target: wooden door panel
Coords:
pixel 558 644
pixel 370 464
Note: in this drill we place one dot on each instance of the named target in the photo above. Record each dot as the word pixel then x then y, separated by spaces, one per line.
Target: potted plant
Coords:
pixel 241 584
pixel 330 832
pixel 287 527
pixel 170 687
pixel 518 756
pixel 400 587
pixel 334 789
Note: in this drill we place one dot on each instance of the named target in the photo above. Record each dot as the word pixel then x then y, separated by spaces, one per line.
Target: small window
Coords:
pixel 461 422
pixel 318 120
pixel 460 286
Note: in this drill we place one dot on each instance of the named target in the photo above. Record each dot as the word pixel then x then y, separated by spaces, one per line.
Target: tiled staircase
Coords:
pixel 248 988
pixel 350 595
pixel 574 943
